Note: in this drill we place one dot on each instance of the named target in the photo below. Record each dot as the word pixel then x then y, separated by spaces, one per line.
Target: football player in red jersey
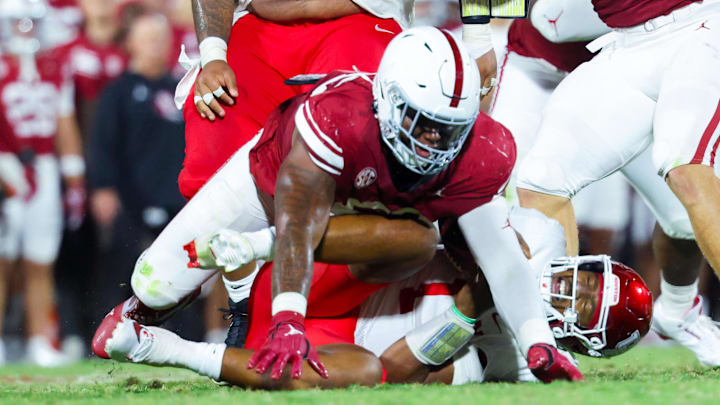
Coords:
pixel 598 307
pixel 394 144
pixel 37 113
pixel 653 86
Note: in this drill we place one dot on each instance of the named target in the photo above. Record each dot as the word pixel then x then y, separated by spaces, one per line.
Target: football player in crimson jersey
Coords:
pixel 394 144
pixel 249 46
pixel 599 307
pixel 659 65
pixel 37 112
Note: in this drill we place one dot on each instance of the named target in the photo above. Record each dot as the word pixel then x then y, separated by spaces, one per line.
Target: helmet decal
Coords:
pixel 457 91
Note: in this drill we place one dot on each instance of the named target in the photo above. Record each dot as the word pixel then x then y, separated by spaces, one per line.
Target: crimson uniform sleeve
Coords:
pixel 329 128
pixel 481 174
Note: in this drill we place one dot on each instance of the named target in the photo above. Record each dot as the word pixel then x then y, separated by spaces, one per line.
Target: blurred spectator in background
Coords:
pixel 37 119
pixel 94 56
pixel 179 14
pixel 136 152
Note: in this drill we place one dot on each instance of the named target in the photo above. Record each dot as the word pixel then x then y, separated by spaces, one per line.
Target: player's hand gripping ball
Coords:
pixel 286 342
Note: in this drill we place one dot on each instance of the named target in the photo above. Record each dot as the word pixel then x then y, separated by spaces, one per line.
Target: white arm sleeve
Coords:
pixel 513 285
pixel 567 20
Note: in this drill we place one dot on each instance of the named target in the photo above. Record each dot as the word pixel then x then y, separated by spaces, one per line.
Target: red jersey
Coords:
pixel 93 66
pixel 30 101
pixel 337 123
pixel 628 13
pixel 525 40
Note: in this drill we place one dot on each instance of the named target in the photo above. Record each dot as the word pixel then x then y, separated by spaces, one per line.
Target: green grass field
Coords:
pixel 642 376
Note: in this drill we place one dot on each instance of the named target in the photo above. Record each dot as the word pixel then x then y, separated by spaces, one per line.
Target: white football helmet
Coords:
pixel 426 82
pixel 19 21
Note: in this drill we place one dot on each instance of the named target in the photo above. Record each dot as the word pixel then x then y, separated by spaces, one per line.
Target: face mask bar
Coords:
pixel 569 317
pixel 405 146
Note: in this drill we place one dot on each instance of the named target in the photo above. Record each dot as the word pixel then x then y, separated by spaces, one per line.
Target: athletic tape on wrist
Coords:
pixel 437 340
pixel 72 165
pixel 212 48
pixel 289 301
pixel 477 38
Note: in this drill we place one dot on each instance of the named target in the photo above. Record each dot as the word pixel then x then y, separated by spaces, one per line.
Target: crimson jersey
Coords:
pixel 31 100
pixel 338 125
pixel 93 66
pixel 525 40
pixel 627 13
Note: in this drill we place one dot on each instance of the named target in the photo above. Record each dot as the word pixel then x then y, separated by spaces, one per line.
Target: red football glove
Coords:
pixel 548 365
pixel 285 342
pixel 74 199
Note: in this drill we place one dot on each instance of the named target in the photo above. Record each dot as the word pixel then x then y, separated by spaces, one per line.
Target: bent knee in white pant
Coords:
pixel 545 177
pixel 155 289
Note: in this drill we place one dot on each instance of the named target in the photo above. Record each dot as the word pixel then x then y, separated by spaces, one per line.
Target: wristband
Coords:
pixel 72 165
pixel 212 48
pixel 289 301
pixel 477 38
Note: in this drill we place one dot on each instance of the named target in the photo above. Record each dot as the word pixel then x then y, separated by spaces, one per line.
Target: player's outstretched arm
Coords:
pixel 213 23
pixel 304 194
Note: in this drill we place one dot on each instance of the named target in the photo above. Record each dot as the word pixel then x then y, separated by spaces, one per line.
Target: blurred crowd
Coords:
pixel 111 131
pixel 96 80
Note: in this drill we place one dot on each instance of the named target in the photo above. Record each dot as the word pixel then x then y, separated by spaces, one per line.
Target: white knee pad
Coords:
pixel 544 176
pixel 163 286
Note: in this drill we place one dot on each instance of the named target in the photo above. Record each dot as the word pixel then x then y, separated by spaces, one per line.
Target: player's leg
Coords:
pixel 676 252
pixel 346 364
pixel 687 131
pixel 686 141
pixel 166 277
pixel 356 41
pixel 165 274
pixel 594 124
pixel 41 238
pixel 523 90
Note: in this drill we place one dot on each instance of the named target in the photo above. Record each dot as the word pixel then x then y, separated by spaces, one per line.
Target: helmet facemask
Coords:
pixel 566 322
pixel 406 123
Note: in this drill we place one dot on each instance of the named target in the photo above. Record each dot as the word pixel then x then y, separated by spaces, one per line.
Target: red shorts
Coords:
pixel 333 305
pixel 263 54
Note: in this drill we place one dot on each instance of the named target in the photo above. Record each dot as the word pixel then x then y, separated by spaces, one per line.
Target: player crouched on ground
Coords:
pixel 596 307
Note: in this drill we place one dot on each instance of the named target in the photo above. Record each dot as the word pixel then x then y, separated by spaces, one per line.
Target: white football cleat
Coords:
pixel 127 339
pixel 227 250
pixel 42 353
pixel 695 331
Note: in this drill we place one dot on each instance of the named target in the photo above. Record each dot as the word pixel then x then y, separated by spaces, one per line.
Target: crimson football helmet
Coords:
pixel 426 81
pixel 621 317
